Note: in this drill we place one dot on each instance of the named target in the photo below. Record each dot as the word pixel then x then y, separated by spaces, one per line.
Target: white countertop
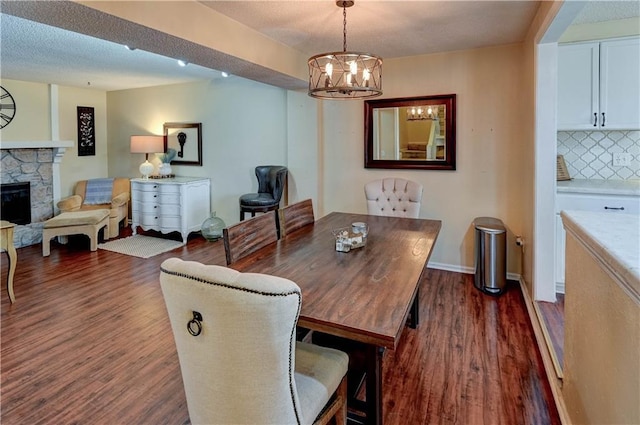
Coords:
pixel 615 241
pixel 600 187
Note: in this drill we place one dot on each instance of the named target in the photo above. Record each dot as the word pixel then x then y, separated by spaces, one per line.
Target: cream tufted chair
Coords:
pixel 240 362
pixel 393 197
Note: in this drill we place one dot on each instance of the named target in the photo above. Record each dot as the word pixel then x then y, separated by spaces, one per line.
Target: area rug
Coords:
pixel 140 246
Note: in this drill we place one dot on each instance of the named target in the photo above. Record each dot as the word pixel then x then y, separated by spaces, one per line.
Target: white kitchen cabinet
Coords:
pixel 178 204
pixel 598 85
pixel 621 204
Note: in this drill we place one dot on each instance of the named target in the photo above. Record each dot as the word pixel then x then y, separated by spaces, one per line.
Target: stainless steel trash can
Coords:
pixel 490 255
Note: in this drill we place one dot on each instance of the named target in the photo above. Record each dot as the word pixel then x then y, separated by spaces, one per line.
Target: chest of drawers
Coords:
pixel 178 204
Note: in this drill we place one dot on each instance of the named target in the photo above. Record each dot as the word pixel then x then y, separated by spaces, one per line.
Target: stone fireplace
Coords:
pixel 37 163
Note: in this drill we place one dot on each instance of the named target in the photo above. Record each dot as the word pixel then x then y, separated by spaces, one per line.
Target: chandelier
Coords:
pixel 345 75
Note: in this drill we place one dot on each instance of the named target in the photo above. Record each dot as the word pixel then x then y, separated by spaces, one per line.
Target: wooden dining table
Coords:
pixel 365 295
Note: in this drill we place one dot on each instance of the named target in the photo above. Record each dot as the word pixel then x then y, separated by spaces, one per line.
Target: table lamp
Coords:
pixel 147 145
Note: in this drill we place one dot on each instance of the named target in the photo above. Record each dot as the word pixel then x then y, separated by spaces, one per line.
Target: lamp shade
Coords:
pixel 147 144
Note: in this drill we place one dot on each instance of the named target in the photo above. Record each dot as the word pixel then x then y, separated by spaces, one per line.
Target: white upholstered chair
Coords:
pixel 240 362
pixel 393 197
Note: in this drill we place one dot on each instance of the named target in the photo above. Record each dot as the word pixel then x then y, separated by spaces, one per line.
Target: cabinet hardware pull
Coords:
pixel 595 119
pixel 603 119
pixel 614 208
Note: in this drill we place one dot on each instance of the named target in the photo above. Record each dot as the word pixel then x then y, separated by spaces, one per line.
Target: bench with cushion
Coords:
pixel 73 223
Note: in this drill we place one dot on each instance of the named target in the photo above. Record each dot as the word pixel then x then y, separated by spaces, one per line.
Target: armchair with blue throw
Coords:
pixel 111 194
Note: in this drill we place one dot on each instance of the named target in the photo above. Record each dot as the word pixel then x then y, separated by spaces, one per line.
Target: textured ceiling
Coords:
pixel 387 28
pixel 34 51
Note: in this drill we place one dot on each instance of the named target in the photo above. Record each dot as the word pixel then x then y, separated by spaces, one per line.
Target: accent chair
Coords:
pixel 240 362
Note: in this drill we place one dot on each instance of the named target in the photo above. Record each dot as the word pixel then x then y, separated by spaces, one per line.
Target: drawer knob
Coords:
pixel 614 208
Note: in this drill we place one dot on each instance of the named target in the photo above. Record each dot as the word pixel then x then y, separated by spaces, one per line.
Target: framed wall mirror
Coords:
pixel 411 133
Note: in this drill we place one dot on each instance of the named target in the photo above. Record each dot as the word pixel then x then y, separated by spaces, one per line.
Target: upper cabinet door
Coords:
pixel 578 86
pixel 599 85
pixel 620 84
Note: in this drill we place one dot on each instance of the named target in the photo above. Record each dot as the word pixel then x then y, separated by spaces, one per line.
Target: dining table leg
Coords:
pixel 414 320
pixel 374 356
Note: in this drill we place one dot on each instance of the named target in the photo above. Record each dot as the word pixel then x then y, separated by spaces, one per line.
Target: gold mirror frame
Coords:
pixel 449 130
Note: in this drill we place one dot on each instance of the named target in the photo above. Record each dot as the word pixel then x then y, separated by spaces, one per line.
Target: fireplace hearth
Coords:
pixel 15 202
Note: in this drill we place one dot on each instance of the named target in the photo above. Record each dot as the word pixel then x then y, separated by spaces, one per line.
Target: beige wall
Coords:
pixel 244 124
pixel 247 123
pixel 32 120
pixel 492 146
pixel 74 167
pixel 33 123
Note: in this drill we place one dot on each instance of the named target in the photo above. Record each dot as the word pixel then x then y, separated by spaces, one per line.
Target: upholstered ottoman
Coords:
pixel 73 223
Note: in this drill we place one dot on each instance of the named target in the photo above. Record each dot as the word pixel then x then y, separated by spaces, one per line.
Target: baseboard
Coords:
pixel 465 270
pixel 559 287
pixel 451 267
pixel 554 382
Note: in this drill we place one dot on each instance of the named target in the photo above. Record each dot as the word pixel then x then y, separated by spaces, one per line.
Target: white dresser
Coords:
pixel 179 204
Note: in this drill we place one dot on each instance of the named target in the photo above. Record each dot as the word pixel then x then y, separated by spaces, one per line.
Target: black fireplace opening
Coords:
pixel 16 202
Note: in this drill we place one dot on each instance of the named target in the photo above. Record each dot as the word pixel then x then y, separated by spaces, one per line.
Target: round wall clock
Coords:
pixel 7 107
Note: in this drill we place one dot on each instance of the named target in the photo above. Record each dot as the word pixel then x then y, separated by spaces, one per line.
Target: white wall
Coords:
pixel 244 124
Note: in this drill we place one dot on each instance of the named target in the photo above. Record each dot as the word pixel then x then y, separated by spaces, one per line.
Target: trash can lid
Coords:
pixel 489 224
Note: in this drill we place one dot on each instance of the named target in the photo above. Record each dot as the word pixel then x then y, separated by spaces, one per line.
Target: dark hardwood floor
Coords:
pixel 88 341
pixel 553 316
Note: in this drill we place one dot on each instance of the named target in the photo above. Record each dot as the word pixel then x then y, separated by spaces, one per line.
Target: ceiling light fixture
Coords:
pixel 224 74
pixel 129 47
pixel 345 75
pixel 182 62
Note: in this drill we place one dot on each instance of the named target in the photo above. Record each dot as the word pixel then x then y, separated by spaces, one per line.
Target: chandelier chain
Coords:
pixel 344 27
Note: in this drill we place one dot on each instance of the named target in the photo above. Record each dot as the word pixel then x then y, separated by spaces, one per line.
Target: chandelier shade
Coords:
pixel 331 75
pixel 345 75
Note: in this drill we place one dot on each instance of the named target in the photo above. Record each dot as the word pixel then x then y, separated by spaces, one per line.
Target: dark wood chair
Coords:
pixel 249 236
pixel 296 216
pixel 271 181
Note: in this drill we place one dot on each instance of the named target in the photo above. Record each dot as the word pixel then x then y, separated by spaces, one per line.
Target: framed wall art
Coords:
pixel 86 131
pixel 186 139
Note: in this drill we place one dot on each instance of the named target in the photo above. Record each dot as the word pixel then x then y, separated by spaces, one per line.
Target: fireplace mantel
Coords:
pixel 42 144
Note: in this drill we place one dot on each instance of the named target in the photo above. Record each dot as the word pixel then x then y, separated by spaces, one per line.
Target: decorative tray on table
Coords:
pixel 348 238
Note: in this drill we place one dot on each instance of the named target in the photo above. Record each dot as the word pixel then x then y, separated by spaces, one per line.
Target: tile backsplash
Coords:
pixel 589 154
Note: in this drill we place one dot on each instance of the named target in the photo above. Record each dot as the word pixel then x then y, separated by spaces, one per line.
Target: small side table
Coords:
pixel 6 243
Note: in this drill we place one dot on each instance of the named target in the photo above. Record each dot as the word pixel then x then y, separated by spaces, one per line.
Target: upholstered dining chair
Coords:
pixel 394 197
pixel 240 363
pixel 248 236
pixel 295 216
pixel 271 181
